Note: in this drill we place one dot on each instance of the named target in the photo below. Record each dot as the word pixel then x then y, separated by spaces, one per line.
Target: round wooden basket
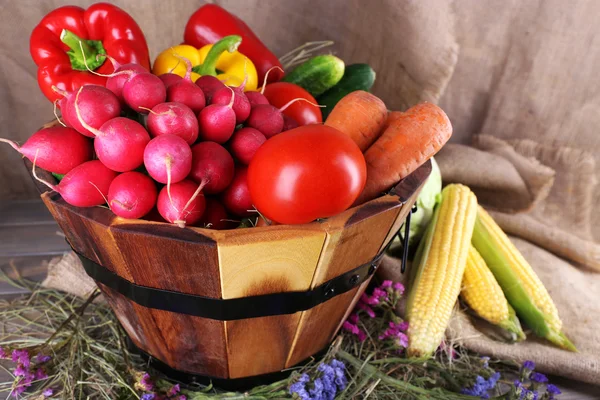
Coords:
pixel 237 303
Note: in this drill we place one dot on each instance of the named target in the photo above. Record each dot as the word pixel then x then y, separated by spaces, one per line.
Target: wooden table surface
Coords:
pixel 29 238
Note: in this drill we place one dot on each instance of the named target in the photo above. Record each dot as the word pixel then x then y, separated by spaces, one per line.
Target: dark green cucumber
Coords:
pixel 58 176
pixel 318 74
pixel 356 77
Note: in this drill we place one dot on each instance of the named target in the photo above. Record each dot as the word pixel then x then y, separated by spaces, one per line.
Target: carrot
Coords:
pixel 391 117
pixel 410 139
pixel 359 115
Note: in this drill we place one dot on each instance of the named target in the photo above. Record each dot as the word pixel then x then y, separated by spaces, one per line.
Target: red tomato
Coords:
pixel 306 173
pixel 281 93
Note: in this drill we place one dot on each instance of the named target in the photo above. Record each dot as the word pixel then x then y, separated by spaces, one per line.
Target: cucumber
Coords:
pixel 318 74
pixel 356 77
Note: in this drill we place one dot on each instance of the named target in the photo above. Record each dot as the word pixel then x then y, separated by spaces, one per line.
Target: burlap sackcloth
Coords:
pixel 541 195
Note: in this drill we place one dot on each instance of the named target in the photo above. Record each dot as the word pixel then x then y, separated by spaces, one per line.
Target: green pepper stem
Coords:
pixel 84 53
pixel 228 43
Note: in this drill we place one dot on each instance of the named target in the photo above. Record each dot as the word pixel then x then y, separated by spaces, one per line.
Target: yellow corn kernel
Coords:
pixel 440 264
pixel 483 294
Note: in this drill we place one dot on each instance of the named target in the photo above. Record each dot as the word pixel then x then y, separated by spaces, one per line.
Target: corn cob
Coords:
pixel 482 293
pixel 440 264
pixel 521 285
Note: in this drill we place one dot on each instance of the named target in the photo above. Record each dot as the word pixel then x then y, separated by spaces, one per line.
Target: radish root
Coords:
pixel 168 162
pixel 56 114
pixel 188 66
pixel 14 145
pixel 51 186
pixel 289 103
pixel 181 222
pixel 95 131
pixel 170 113
pixel 262 91
pixel 101 194
pixel 127 72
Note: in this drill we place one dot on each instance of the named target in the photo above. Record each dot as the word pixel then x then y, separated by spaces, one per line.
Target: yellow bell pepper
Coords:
pixel 220 59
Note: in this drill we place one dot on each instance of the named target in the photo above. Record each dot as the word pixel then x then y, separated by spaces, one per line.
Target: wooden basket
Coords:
pixel 233 264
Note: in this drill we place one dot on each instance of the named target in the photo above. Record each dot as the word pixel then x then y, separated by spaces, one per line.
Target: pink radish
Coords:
pixel 175 119
pixel 58 149
pixel 168 79
pixel 144 90
pixel 236 197
pixel 244 144
pixel 115 83
pixel 168 159
pixel 268 119
pixel 85 185
pixel 256 98
pixel 288 123
pixel 212 166
pixel 183 205
pixel 241 105
pixel 209 85
pixel 186 92
pixel 217 122
pixel 132 195
pixel 96 104
pixel 215 216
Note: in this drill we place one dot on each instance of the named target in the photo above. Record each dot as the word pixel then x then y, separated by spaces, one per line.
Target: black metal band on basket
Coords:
pixel 238 308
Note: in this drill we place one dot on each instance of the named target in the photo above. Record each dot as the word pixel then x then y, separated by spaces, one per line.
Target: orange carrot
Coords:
pixel 359 115
pixel 391 117
pixel 411 138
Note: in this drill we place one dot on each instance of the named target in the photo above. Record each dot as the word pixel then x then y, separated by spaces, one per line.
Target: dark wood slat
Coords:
pixel 27 212
pixel 32 240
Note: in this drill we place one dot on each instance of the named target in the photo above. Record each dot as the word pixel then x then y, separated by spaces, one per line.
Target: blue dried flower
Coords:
pixel 41 358
pixel 48 392
pixel 552 389
pixel 148 396
pixel 299 388
pixel 482 386
pixel 539 378
pixel 530 365
pixel 486 361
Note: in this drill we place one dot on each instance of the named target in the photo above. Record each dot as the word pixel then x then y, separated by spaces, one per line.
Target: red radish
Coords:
pixel 144 90
pixel 186 92
pixel 215 216
pixel 256 98
pixel 217 121
pixel 209 85
pixel 212 166
pixel 241 105
pixel 115 83
pixel 168 159
pixel 168 79
pixel 289 123
pixel 183 205
pixel 96 105
pixel 85 185
pixel 132 195
pixel 175 119
pixel 268 119
pixel 244 144
pixel 236 197
pixel 58 149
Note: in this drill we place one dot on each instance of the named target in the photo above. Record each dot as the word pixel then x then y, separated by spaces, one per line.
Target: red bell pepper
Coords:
pixel 102 29
pixel 211 23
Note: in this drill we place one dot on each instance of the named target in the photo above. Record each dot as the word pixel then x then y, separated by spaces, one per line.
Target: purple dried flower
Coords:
pixel 180 397
pixel 48 392
pixel 144 382
pixel 539 378
pixel 174 390
pixel 366 308
pixel 148 396
pixel 552 389
pixel 20 370
pixel 530 365
pixel 353 318
pixel 41 358
pixel 402 341
pixel 3 353
pixel 40 374
pixel 398 287
pixel 21 357
pixel 386 284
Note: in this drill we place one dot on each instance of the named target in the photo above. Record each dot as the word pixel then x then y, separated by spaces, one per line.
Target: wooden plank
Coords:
pixel 30 240
pixel 24 212
pixel 33 268
pixel 259 261
pixel 352 239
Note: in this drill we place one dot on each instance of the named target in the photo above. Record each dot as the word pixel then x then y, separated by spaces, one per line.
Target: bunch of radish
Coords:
pixel 147 143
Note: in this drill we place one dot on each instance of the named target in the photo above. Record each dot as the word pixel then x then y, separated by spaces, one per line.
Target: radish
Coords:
pixel 186 92
pixel 115 83
pixel 215 216
pixel 209 85
pixel 183 205
pixel 58 149
pixel 217 121
pixel 289 123
pixel 168 79
pixel 236 197
pixel 85 185
pixel 168 159
pixel 96 105
pixel 212 166
pixel 268 119
pixel 244 144
pixel 173 118
pixel 144 90
pixel 256 98
pixel 132 195
pixel 241 105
